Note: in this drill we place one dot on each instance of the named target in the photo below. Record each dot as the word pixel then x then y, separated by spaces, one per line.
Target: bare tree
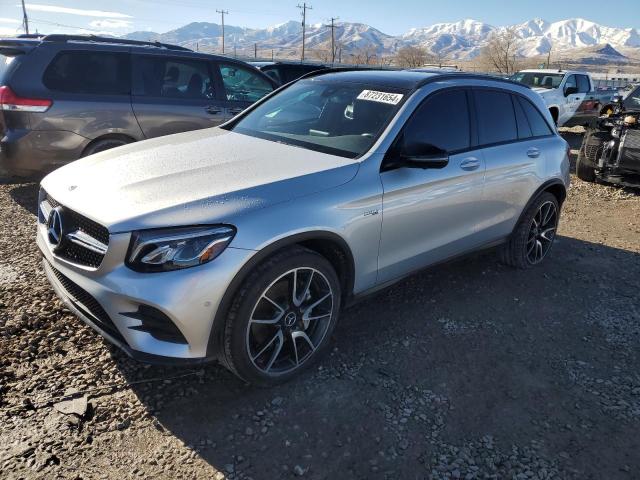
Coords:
pixel 500 52
pixel 323 55
pixel 411 57
pixel 440 58
pixel 365 56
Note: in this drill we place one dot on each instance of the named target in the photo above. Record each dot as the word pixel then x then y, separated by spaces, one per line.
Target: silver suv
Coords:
pixel 242 242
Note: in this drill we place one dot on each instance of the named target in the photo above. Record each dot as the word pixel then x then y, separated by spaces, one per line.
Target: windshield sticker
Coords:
pixel 382 97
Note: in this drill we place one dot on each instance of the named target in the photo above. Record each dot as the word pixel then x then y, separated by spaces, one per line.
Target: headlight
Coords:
pixel 176 248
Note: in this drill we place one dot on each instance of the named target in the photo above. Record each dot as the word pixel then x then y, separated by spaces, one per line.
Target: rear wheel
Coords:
pixel 282 317
pixel 534 234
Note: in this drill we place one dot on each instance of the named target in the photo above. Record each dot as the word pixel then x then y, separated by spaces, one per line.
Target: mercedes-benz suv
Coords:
pixel 243 242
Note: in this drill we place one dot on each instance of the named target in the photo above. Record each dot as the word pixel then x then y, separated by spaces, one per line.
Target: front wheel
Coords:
pixel 534 234
pixel 282 317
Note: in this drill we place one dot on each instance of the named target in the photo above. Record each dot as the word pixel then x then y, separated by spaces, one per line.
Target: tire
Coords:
pixel 517 251
pixel 584 167
pixel 584 172
pixel 266 338
pixel 102 145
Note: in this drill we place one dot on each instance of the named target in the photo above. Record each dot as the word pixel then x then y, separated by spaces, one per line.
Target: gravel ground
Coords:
pixel 470 370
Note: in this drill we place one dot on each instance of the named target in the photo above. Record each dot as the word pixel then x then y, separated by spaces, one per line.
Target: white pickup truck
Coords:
pixel 570 95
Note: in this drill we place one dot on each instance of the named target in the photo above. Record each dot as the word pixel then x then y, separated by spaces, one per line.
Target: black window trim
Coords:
pixel 387 163
pixel 517 140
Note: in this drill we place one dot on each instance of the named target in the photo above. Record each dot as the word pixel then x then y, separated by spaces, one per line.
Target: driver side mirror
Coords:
pixel 422 155
pixel 570 91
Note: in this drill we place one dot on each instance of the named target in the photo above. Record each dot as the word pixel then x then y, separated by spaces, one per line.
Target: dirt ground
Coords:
pixel 468 370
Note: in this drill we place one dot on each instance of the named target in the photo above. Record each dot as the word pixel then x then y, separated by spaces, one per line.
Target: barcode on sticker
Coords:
pixel 382 97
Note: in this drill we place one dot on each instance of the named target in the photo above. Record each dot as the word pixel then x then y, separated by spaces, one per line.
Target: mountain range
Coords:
pixel 457 40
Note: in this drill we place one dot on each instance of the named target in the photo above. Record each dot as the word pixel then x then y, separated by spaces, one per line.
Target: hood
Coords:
pixel 542 90
pixel 199 177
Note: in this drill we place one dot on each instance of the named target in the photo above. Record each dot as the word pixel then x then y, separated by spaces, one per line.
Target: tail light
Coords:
pixel 11 102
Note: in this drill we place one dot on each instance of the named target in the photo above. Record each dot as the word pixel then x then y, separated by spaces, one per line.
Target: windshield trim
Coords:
pixel 233 126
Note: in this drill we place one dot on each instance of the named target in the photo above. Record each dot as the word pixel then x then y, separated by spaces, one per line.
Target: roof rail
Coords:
pixel 30 35
pixel 435 78
pixel 469 76
pixel 119 41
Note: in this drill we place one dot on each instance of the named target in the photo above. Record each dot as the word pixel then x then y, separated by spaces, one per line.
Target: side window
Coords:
pixel 571 82
pixel 583 84
pixel 242 84
pixel 449 131
pixel 169 77
pixel 96 73
pixel 496 117
pixel 274 74
pixel 524 130
pixel 539 126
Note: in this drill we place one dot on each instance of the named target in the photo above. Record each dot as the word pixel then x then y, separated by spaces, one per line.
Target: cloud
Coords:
pixel 109 23
pixel 10 20
pixel 8 31
pixel 75 11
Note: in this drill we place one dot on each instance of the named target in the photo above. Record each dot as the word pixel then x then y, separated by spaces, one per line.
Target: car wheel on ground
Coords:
pixel 102 145
pixel 534 234
pixel 282 317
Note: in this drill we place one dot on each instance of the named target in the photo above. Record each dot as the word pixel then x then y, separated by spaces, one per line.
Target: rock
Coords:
pixel 299 471
pixel 277 401
pixel 75 406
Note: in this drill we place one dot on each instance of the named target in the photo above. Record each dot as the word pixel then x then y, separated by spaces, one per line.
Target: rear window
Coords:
pixel 97 73
pixel 496 117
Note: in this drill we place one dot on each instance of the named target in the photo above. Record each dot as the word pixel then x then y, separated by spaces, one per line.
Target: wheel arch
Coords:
pixel 108 136
pixel 328 244
pixel 554 186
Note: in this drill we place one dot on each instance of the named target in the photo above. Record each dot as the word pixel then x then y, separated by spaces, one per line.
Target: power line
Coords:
pixel 304 7
pixel 223 13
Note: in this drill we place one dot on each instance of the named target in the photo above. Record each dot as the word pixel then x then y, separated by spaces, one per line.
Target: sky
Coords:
pixel 391 17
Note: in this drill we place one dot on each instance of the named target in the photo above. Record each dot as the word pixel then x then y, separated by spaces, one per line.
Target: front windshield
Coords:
pixel 340 118
pixel 632 100
pixel 539 79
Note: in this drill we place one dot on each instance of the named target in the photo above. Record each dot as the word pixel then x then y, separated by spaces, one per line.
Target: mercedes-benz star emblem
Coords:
pixel 290 319
pixel 55 227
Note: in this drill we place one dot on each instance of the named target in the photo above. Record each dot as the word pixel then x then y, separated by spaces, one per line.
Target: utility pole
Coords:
pixel 222 13
pixel 333 39
pixel 304 7
pixel 255 50
pixel 25 18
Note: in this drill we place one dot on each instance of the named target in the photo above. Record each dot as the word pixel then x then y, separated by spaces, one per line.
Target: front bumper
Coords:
pixel 189 298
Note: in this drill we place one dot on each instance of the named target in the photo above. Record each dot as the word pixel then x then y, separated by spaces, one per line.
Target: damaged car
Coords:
pixel 610 150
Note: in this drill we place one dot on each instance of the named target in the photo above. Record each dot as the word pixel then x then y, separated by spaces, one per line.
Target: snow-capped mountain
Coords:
pixel 456 40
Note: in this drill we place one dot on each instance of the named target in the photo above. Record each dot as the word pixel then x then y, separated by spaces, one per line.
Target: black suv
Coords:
pixel 63 97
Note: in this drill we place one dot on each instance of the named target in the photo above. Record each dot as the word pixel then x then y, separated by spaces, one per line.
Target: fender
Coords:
pixel 216 335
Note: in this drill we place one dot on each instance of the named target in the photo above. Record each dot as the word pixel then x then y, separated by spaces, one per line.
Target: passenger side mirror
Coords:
pixel 570 91
pixel 423 155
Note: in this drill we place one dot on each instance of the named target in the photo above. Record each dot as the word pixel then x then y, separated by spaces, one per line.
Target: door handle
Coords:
pixel 471 163
pixel 533 153
pixel 213 110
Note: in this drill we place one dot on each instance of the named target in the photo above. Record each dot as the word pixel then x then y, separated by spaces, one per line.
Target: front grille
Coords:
pixel 87 304
pixel 71 251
